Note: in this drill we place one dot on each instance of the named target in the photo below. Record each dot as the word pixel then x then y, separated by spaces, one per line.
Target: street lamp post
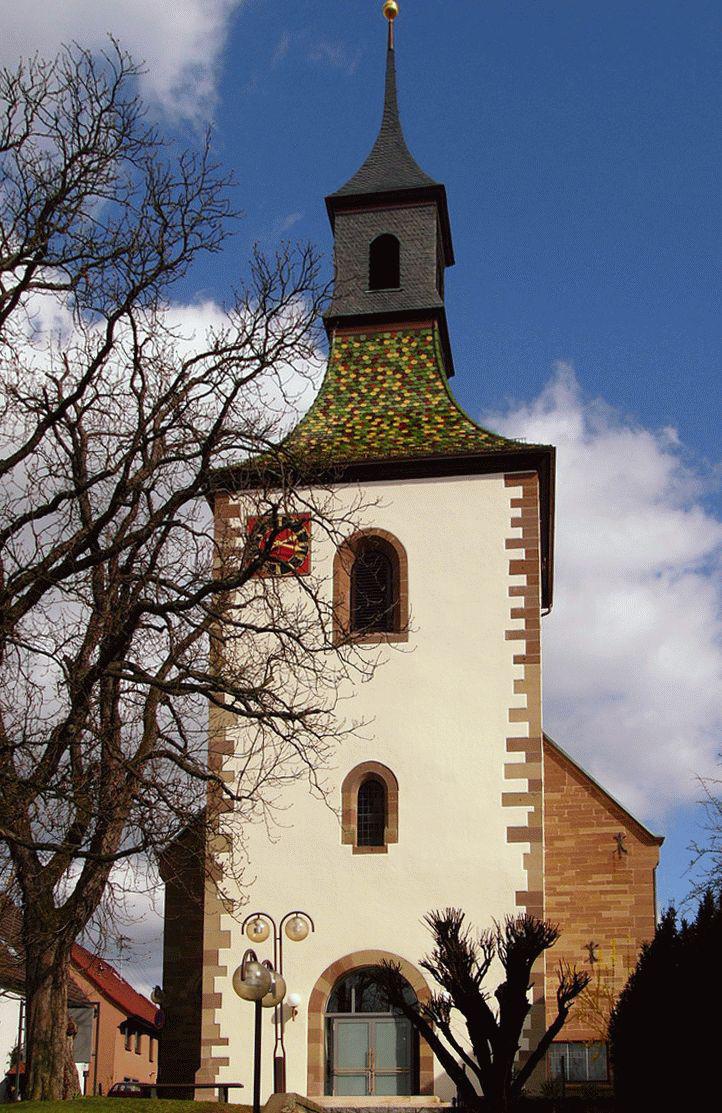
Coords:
pixel 261 983
pixel 258 926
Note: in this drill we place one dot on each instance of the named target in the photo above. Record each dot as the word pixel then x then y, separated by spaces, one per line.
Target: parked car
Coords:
pixel 130 1090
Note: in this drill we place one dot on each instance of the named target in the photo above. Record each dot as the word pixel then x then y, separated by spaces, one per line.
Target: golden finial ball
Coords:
pixel 391 9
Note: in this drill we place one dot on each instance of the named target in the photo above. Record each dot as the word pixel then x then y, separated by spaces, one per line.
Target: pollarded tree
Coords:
pixel 122 620
pixel 460 963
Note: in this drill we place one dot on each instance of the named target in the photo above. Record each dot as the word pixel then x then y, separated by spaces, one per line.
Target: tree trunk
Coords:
pixel 71 1082
pixel 498 1098
pixel 46 986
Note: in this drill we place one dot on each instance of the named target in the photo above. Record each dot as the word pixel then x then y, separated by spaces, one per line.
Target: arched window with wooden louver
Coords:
pixel 371 588
pixel 374 588
pixel 385 263
pixel 371 813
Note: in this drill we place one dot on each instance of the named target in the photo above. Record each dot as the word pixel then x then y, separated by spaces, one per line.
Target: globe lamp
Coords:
pixel 252 980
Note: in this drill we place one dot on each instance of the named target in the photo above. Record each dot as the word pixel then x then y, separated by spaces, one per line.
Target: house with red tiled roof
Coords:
pixel 126 1024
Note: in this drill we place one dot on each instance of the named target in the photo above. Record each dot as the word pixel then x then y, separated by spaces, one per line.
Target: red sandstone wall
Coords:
pixel 592 890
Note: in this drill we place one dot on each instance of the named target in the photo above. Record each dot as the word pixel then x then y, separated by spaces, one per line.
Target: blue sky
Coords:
pixel 581 148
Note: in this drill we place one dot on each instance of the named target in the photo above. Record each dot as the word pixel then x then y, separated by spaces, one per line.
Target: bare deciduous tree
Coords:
pixel 121 619
pixel 707 853
pixel 460 964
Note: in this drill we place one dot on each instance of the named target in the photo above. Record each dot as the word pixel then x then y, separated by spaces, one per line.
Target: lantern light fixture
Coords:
pixel 297 928
pixel 258 929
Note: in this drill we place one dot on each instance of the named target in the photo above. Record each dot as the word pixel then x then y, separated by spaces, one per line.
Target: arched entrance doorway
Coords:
pixel 422 1077
pixel 370 1048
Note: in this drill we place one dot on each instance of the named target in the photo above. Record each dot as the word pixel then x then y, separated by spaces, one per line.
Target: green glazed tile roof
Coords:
pixel 385 397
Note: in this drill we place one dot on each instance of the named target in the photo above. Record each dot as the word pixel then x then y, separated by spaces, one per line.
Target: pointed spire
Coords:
pixel 390 164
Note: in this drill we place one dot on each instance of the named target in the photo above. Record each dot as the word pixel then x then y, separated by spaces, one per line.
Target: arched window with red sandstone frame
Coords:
pixel 370 808
pixel 371 588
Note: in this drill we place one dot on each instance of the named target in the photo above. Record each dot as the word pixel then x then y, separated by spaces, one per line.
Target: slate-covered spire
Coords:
pixel 390 173
pixel 390 164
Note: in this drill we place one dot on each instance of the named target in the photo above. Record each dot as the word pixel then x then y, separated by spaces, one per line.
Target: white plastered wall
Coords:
pixel 9 1017
pixel 438 712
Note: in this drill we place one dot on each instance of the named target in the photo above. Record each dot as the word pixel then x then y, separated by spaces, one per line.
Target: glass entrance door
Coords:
pixel 370 1047
pixel 391 1055
pixel 370 1055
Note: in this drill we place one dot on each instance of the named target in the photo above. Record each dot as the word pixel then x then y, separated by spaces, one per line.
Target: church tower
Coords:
pixel 440 800
pixel 444 578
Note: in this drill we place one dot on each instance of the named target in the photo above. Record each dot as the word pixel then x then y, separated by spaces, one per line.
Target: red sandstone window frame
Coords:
pixel 342 569
pixel 369 770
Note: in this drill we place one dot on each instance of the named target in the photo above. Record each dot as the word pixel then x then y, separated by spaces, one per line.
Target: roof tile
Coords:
pixel 385 396
pixel 110 983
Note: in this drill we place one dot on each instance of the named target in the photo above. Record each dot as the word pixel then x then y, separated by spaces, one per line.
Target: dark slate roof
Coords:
pixel 390 166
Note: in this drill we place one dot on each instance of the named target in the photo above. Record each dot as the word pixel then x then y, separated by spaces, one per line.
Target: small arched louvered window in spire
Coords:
pixel 374 588
pixel 371 813
pixel 385 263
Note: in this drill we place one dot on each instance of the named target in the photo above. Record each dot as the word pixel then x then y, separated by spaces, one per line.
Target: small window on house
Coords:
pixel 374 588
pixel 371 813
pixel 138 1042
pixel 128 1039
pixel 151 1049
pixel 578 1062
pixel 385 263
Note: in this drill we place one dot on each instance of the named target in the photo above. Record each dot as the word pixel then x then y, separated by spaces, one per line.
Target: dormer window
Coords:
pixel 385 263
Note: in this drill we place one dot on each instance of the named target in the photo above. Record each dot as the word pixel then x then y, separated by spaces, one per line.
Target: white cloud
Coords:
pixel 127 930
pixel 334 53
pixel 282 48
pixel 179 42
pixel 632 655
pixel 288 222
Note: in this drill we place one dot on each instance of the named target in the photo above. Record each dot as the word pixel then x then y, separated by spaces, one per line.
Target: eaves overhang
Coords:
pixel 540 459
